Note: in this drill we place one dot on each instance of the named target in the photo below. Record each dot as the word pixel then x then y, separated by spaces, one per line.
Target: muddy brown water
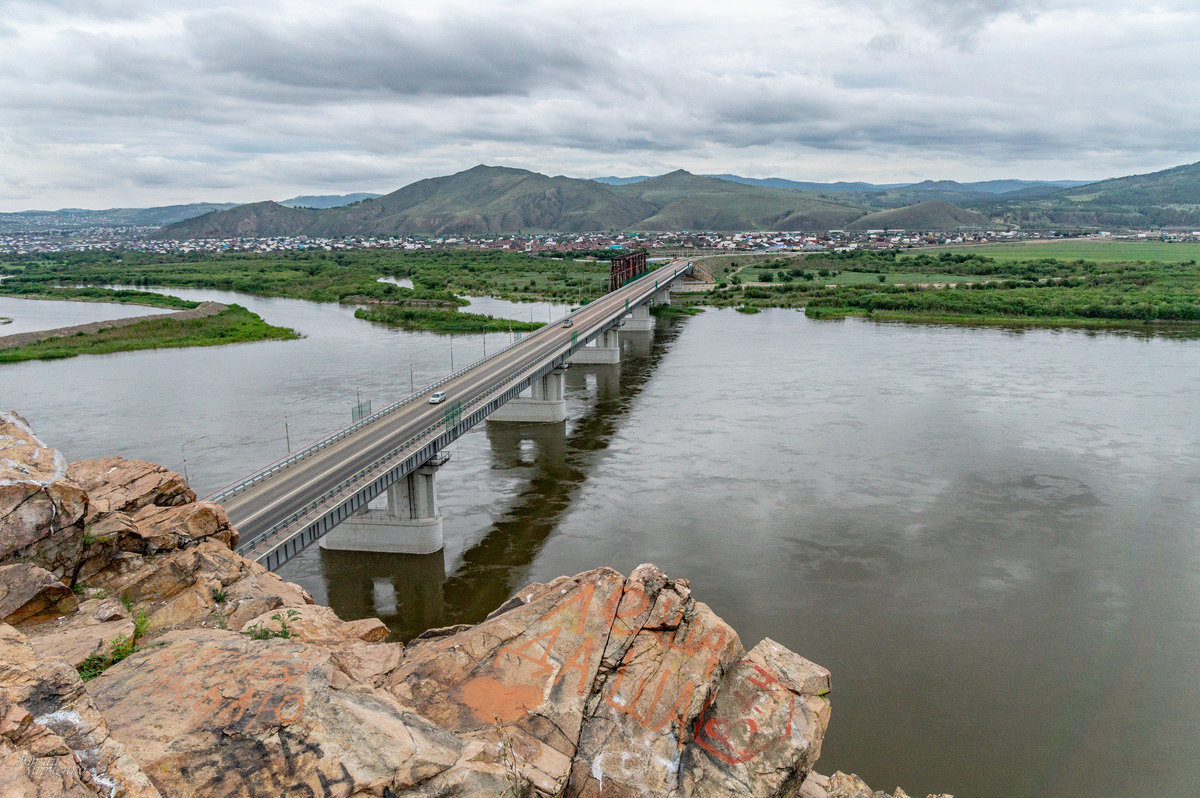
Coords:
pixel 992 538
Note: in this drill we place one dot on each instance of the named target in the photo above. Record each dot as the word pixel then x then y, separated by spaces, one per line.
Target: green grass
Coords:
pixel 986 290
pixel 120 648
pixel 26 289
pixel 1099 250
pixel 674 310
pixel 453 321
pixel 351 276
pixel 232 325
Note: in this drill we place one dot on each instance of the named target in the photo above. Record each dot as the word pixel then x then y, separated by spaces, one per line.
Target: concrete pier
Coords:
pixel 546 403
pixel 605 349
pixel 411 524
pixel 639 320
pixel 663 297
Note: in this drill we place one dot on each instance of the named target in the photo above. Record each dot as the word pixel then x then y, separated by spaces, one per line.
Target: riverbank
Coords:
pixel 448 321
pixel 125 601
pixel 208 324
pixel 125 296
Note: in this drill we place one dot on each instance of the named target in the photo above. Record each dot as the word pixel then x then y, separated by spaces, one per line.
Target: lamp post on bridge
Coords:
pixel 183 454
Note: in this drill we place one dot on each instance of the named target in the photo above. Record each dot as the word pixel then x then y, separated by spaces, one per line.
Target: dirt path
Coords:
pixel 20 339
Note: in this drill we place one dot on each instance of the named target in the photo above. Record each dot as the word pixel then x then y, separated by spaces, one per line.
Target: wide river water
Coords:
pixel 991 538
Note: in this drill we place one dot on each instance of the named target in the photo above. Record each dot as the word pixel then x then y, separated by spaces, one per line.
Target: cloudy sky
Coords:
pixel 109 103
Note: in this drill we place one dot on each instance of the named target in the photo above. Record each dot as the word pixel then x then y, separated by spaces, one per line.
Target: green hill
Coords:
pixel 693 202
pixel 1170 198
pixel 490 200
pixel 933 215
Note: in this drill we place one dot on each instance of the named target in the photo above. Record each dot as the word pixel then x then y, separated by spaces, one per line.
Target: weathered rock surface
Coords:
pixel 53 740
pixel 116 484
pixel 91 630
pixel 235 716
pixel 592 685
pixel 848 785
pixel 30 593
pixel 41 509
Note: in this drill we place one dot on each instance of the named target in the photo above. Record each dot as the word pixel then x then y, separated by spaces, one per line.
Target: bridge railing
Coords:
pixel 276 467
pixel 279 465
pixel 396 451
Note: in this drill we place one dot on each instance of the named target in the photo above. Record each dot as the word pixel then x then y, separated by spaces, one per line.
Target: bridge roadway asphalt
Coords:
pixel 261 506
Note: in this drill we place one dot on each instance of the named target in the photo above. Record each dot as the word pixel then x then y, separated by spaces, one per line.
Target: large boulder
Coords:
pixel 216 713
pixel 53 740
pixel 41 509
pixel 33 594
pixel 602 685
pixel 117 484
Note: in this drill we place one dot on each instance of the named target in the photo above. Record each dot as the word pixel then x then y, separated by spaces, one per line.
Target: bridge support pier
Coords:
pixel 546 403
pixel 663 297
pixel 411 524
pixel 607 349
pixel 639 319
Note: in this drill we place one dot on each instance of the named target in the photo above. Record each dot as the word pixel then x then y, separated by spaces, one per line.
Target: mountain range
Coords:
pixel 66 219
pixel 492 200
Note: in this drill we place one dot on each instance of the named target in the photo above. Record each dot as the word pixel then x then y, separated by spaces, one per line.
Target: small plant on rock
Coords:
pixel 259 632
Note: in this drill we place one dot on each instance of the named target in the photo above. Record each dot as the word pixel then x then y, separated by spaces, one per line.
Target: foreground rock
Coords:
pixel 41 509
pixel 217 678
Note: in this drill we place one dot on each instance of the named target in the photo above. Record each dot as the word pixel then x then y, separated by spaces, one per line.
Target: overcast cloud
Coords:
pixel 128 103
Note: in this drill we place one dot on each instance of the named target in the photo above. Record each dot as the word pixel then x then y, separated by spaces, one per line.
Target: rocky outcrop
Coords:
pixel 848 785
pixel 53 740
pixel 30 593
pixel 216 677
pixel 41 509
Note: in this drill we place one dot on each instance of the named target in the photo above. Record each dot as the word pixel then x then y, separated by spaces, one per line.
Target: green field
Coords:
pixel 960 287
pixel 235 324
pixel 1099 250
pixel 353 277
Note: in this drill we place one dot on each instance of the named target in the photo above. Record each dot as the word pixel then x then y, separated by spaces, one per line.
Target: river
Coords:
pixel 989 537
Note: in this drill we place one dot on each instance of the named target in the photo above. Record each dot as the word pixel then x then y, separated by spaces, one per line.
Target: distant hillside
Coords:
pixel 1170 198
pixel 612 180
pixel 484 200
pixel 79 218
pixel 326 200
pixel 925 216
pixel 779 182
pixel 256 219
pixel 488 200
pixel 693 202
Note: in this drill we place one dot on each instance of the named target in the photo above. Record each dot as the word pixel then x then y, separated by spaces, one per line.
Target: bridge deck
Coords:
pixel 302 501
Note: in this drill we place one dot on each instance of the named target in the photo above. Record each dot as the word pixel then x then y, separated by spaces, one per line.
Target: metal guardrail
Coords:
pixel 258 476
pixel 358 477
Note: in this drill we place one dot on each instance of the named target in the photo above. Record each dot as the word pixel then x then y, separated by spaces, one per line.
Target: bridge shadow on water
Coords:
pixel 412 593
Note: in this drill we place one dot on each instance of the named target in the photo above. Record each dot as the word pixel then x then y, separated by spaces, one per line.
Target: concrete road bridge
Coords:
pixel 323 491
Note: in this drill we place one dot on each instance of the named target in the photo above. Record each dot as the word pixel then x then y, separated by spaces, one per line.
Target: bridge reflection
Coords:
pixel 412 593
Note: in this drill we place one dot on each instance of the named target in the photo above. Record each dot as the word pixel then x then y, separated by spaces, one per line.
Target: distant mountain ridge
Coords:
pixel 68 219
pixel 488 200
pixel 327 200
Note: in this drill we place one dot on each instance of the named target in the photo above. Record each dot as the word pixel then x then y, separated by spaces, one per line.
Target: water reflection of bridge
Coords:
pixel 412 593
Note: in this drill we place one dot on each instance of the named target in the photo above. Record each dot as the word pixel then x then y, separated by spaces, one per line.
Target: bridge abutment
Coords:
pixel 546 403
pixel 411 524
pixel 607 349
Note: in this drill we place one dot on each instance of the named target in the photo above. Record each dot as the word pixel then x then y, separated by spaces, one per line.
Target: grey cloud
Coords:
pixel 466 57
